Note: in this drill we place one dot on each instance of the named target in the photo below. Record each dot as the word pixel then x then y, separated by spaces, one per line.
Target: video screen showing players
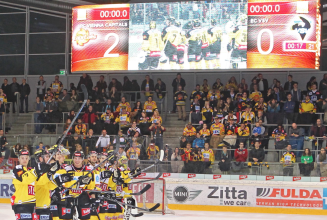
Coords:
pixel 188 35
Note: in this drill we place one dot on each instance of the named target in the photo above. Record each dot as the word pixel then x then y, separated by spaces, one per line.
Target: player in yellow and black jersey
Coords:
pixel 194 36
pixel 215 35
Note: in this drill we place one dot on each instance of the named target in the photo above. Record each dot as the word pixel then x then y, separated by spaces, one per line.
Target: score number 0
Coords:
pixel 271 43
pixel 107 53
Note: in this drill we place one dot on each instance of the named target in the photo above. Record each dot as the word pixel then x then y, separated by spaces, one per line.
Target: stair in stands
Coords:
pixel 18 126
pixel 174 129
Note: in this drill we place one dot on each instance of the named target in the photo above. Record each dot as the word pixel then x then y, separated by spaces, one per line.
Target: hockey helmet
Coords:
pixel 92 153
pixel 123 161
pixel 213 22
pixel 111 156
pixel 23 153
pixel 64 151
pixel 188 25
pixel 178 23
pixel 196 23
pixel 78 154
pixel 171 20
pixel 242 18
pixel 153 25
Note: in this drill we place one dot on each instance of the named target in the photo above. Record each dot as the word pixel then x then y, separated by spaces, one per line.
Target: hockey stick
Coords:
pixel 135 207
pixel 83 87
pixel 149 180
pixel 146 188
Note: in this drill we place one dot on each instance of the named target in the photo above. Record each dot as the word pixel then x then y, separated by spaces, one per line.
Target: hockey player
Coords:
pixel 23 200
pixel 206 48
pixel 92 159
pixel 172 37
pixel 215 35
pixel 238 41
pixel 194 37
pixel 152 45
pixel 181 48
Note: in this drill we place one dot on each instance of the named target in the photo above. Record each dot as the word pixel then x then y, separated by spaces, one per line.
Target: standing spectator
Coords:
pixel 149 106
pixel 241 153
pixel 133 154
pixel 296 93
pixel 243 85
pixel 56 86
pixel 279 134
pixel 232 83
pixel 218 85
pixel 224 161
pixel 50 105
pixel 97 107
pixel 317 131
pixel 288 159
pixel 109 106
pixel 157 133
pixel 120 153
pixel 41 88
pixel 178 81
pixel 147 86
pixel 103 142
pixel 306 111
pixel 176 161
pixel 197 93
pixel 114 82
pixel 322 162
pixel 74 143
pixel 180 97
pixel 114 95
pixel 3 142
pixel 312 81
pixel 288 108
pixel 137 111
pixel 101 84
pixel 273 115
pixel 306 165
pixel 243 133
pixel 87 81
pixel 64 97
pixel 218 132
pixel 123 119
pixel 133 129
pixel 6 89
pixel 261 105
pixel 80 128
pixel 90 141
pixel 279 95
pixel 135 87
pixel 208 158
pixel 127 86
pixel 2 111
pixel 324 108
pixel 38 108
pixel 40 146
pixel 160 89
pixel 152 151
pixel 90 118
pixel 296 139
pixel 187 157
pixel 196 116
pixel 189 132
pixel 247 116
pixel 288 86
pixel 71 87
pixel 262 83
pixel 107 120
pixel 205 88
pixel 323 86
pixel 14 90
pixel 257 154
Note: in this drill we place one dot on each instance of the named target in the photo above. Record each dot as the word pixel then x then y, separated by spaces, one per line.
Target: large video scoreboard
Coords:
pixel 196 35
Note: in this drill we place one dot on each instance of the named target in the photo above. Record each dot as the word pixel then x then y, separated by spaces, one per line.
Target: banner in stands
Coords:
pixel 196 35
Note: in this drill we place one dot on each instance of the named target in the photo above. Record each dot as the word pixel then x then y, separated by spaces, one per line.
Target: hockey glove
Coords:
pixel 42 168
pixel 136 172
pixel 55 197
pixel 63 178
pixel 54 167
pixel 106 174
pixel 85 180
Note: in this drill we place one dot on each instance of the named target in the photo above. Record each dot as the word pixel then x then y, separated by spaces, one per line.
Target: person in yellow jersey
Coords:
pixel 56 87
pixel 218 132
pixel 152 45
pixel 77 200
pixel 206 48
pixel 194 36
pixel 149 106
pixel 208 158
pixel 171 36
pixel 123 104
pixel 123 119
pixel 23 200
pixel 181 48
pixel 215 35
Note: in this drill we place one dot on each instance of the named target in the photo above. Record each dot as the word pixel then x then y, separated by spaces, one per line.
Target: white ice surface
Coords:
pixel 6 213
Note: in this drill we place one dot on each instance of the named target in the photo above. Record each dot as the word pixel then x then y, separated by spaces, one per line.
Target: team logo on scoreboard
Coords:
pixel 181 194
pixel 83 36
pixel 301 26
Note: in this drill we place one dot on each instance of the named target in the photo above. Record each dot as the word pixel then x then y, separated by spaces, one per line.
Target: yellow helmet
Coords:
pixel 123 161
pixel 153 25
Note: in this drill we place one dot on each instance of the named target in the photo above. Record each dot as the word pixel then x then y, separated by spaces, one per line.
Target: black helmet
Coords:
pixel 213 22
pixel 39 153
pixel 178 23
pixel 23 152
pixel 196 23
pixel 171 20
pixel 111 156
pixel 78 154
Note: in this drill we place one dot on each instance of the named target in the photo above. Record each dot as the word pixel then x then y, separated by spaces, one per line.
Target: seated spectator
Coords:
pixel 80 129
pixel 71 87
pixel 131 131
pixel 241 153
pixel 15 150
pixel 198 141
pixel 121 140
pixel 208 158
pixel 78 147
pixel 243 85
pixel 103 96
pixel 307 108
pixel 255 94
pixel 187 157
pixel 219 108
pixel 279 86
pixel 103 142
pixel 157 131
pixel 123 104
pixel 160 89
pixel 231 131
pixel 206 113
pixel 288 159
pixel 64 97
pixel 123 120
pixel 296 139
pixel 260 116
pixel 114 82
pixel 50 105
pixel 74 96
pixel 107 119
pixel 253 82
pixel 247 116
pixel 97 107
pixel 196 116
pixel 76 140
pixel 273 106
pixel 71 115
pixel 205 88
pixel 243 132
pixel 152 151
pixel 40 146
pixel 279 134
pixel 137 111
pixel 109 105
pixel 3 97
pixel 39 108
pixel 217 133
pixel 156 117
pixel 218 85
pixel 258 131
pixel 189 132
pixel 180 97
pixel 197 93
pixel 86 106
pixel 114 95
pixel 91 119
pixel 322 162
pixel 228 105
pixel 183 142
pixel 120 153
pixel 213 97
pixel 224 161
pixel 243 102
pixel 49 93
pixel 229 117
pixel 269 96
pixel 149 106
pixel 317 131
pixel 324 109
pixel 133 154
pixel 288 108
pixel 72 128
pixel 260 106
pixel 176 161
pixel 231 84
pixel 306 165
pixel 144 123
pixel 89 141
pixel 256 155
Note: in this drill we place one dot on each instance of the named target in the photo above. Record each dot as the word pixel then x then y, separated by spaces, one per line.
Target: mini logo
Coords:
pixel 166 175
pixel 270 177
pixel 191 175
pixel 323 179
pixel 82 37
pixel 25 216
pixel 86 211
pixel 216 177
pixel 182 194
pixel 243 177
pixel 301 26
pixel 296 178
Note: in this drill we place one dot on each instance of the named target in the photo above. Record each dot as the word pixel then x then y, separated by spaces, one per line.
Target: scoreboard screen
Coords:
pixel 196 35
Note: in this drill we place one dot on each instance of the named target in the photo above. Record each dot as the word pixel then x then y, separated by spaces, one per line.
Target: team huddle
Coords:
pixel 200 47
pixel 51 189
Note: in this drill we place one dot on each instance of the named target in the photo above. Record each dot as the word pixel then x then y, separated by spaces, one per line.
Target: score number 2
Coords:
pixel 107 53
pixel 271 43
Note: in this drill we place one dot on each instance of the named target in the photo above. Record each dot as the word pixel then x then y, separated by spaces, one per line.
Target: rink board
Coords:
pixel 227 195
